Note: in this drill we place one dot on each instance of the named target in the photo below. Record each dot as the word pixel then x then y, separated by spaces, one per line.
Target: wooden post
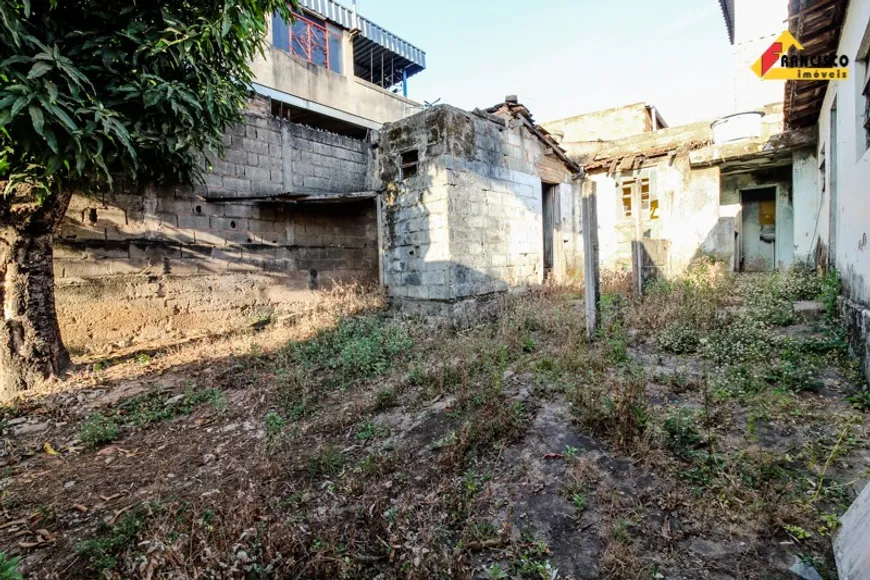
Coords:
pixel 590 258
pixel 379 212
pixel 637 252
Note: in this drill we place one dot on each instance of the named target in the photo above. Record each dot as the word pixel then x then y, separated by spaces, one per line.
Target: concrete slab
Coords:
pixel 852 544
pixel 809 309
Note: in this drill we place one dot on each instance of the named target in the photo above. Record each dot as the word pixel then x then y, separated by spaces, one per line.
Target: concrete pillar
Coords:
pixel 287 157
pixel 379 208
pixel 590 259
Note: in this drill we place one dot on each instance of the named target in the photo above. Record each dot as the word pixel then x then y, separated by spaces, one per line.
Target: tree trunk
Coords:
pixel 30 345
pixel 31 348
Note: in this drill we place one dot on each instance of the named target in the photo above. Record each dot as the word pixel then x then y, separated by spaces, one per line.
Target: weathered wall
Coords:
pixel 163 256
pixel 690 216
pixel 469 222
pixel 849 232
pixel 606 125
pixel 805 201
pixel 700 211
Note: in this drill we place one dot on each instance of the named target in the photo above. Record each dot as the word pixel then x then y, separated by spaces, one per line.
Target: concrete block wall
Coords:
pixel 469 222
pixel 605 125
pixel 138 233
pixel 266 155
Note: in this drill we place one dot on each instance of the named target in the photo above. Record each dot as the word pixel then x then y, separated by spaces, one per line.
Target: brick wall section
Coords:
pixel 248 252
pixel 469 222
pixel 326 162
pixel 171 230
pixel 267 156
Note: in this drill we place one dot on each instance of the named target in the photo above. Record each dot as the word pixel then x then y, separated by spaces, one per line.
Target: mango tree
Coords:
pixel 90 92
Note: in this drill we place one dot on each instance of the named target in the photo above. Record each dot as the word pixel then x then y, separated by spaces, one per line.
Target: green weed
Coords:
pixel 98 430
pixel 102 552
pixel 9 568
pixel 324 463
pixel 367 430
pixel 275 424
pixel 357 348
pixel 681 435
pixel 385 399
pixel 860 400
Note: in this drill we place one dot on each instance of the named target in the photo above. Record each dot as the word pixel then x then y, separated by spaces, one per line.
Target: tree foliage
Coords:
pixel 91 89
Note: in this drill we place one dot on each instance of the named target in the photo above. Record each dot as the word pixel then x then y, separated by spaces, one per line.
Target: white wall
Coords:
pixel 852 257
pixel 805 197
pixel 690 215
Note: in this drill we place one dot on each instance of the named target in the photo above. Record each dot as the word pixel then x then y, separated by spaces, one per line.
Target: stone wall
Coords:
pixel 139 252
pixel 469 221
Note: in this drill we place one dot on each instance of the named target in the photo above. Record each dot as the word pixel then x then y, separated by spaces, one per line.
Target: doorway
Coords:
pixel 548 204
pixel 758 231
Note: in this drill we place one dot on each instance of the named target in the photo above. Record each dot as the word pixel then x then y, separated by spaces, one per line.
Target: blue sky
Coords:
pixel 564 57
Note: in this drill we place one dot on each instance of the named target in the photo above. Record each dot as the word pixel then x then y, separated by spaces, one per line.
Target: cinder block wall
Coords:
pixel 112 247
pixel 469 222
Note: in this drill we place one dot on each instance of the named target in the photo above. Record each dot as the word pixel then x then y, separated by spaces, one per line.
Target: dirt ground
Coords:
pixel 716 428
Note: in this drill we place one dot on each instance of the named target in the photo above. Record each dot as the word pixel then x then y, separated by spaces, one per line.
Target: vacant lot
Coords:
pixel 711 431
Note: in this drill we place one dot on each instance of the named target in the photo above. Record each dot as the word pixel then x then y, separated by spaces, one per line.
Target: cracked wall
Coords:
pixel 469 221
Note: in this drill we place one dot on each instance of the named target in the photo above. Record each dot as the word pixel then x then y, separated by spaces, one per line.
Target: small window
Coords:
pixel 638 193
pixel 767 212
pixel 627 200
pixel 409 162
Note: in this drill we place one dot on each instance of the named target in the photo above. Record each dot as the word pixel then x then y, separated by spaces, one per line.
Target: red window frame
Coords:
pixel 307 44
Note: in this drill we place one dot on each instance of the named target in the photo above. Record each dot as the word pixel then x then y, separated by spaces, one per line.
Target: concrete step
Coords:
pixel 809 310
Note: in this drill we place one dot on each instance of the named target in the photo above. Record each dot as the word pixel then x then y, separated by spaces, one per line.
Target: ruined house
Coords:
pixel 668 196
pixel 333 175
pixel 474 203
pixel 736 187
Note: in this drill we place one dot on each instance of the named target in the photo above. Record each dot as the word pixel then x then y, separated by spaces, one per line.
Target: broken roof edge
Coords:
pixel 636 105
pixel 502 121
pixel 748 149
pixel 680 138
pixel 513 108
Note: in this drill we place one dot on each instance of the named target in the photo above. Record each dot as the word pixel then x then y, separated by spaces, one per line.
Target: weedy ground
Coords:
pixel 710 431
